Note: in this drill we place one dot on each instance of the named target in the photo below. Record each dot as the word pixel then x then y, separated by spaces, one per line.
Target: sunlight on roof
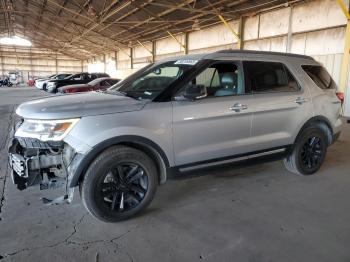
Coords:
pixel 15 40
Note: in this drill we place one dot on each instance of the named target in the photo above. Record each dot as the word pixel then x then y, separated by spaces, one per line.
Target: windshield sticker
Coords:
pixel 186 62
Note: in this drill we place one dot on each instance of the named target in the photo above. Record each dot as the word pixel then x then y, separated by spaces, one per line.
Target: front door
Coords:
pixel 216 125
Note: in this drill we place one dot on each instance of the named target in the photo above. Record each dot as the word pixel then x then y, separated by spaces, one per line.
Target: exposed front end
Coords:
pixel 34 162
pixel 38 155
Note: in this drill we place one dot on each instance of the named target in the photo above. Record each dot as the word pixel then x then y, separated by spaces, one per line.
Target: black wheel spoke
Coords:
pixel 107 186
pixel 131 172
pixel 120 172
pixel 137 189
pixel 312 141
pixel 114 201
pixel 135 177
pixel 115 175
pixel 108 193
pixel 134 198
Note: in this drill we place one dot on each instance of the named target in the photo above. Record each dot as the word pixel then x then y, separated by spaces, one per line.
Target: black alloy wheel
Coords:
pixel 119 183
pixel 312 153
pixel 123 187
pixel 309 151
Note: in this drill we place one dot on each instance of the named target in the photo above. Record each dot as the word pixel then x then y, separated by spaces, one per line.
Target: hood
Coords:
pixel 78 105
pixel 56 80
pixel 41 79
pixel 74 86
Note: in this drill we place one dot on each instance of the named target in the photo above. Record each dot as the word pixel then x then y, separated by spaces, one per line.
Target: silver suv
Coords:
pixel 178 114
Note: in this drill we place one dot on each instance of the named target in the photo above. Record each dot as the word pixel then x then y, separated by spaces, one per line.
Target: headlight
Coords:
pixel 46 130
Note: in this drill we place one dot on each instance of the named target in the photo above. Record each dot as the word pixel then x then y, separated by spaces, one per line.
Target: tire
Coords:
pixel 44 87
pixel 308 152
pixel 107 185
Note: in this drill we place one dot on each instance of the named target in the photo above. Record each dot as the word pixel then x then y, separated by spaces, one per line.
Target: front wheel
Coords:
pixel 119 183
pixel 308 152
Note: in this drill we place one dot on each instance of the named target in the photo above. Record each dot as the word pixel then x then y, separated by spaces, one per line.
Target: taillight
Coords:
pixel 340 96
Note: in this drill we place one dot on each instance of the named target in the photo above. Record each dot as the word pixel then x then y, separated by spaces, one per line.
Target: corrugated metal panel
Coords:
pixel 317 14
pixel 213 36
pixel 169 45
pixel 274 23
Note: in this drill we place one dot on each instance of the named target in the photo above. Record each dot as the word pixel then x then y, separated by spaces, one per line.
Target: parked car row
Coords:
pixel 41 83
pixel 97 84
pixel 74 83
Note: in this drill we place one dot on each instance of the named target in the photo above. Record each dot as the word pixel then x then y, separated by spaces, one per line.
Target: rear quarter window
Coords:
pixel 319 76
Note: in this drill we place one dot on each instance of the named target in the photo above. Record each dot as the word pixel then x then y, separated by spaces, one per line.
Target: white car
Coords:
pixel 41 83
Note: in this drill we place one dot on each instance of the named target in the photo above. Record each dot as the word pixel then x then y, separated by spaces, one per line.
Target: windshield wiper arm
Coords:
pixel 123 93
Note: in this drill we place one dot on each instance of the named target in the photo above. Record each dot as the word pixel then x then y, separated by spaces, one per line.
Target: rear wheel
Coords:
pixel 309 151
pixel 119 183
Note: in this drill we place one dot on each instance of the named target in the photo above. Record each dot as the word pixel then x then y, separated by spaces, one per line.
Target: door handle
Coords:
pixel 238 107
pixel 300 100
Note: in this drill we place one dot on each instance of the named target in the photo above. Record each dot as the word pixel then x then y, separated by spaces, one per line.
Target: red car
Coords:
pixel 96 84
pixel 31 82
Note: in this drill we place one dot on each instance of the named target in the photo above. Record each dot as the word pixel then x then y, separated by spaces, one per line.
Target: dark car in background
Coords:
pixel 97 84
pixel 80 78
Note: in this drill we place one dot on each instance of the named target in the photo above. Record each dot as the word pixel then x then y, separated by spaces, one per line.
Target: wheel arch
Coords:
pixel 141 143
pixel 318 120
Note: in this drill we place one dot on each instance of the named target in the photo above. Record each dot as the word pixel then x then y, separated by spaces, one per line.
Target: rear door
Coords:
pixel 281 105
pixel 217 125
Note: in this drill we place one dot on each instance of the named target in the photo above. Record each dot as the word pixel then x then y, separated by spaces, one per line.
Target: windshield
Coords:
pixel 62 76
pixel 74 77
pixel 153 79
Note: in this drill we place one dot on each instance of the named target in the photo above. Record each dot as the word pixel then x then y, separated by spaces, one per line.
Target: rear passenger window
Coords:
pixel 320 76
pixel 262 77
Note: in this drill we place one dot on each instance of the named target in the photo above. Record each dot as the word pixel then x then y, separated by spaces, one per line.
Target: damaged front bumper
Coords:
pixel 47 164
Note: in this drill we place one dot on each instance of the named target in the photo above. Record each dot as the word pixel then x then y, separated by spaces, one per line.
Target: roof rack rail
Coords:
pixel 264 52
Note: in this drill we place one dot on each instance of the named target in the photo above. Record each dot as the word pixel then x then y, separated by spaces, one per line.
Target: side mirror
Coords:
pixel 194 92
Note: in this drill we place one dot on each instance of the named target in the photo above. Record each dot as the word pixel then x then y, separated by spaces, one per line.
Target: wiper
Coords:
pixel 117 92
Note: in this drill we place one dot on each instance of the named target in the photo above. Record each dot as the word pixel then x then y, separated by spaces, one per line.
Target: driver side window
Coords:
pixel 219 79
pixel 78 77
